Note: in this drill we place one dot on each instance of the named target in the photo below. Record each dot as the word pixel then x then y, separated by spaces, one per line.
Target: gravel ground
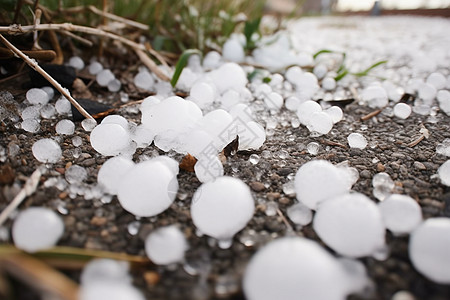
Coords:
pixel 211 272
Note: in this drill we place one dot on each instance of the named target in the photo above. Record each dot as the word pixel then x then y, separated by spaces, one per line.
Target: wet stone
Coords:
pixel 257 186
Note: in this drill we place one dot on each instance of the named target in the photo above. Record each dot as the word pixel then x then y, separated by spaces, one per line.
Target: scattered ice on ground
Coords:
pixel 428 249
pixel 110 139
pixel 299 214
pixel 147 189
pixel 65 127
pixel 47 151
pixel 222 207
pixel 313 148
pixel 357 140
pixel 401 213
pixel 294 268
pixel 104 269
pixel 37 228
pixel 166 245
pixel 63 106
pixel 37 96
pixel 104 77
pixel 444 173
pixel 208 168
pixel 444 147
pixel 30 125
pixel 75 174
pixel 233 51
pixel 402 110
pixel 382 185
pixel 95 67
pixel 76 62
pixel 375 96
pixel 350 224
pixel 309 183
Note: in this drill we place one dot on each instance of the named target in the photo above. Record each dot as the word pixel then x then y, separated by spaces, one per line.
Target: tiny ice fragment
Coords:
pixel 166 245
pixel 402 110
pixel 37 96
pixel 37 228
pixel 401 213
pixel 444 173
pixel 47 151
pixel 382 185
pixel 428 249
pixel 65 127
pixel 444 147
pixel 299 214
pixel 313 148
pixel 357 140
pixel 75 174
pixel 254 159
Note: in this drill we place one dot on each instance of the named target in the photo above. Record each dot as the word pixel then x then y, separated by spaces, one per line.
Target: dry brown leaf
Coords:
pixel 187 163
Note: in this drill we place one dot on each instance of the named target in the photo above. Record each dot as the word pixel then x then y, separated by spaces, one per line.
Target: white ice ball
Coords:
pixel 401 213
pixel 112 172
pixel 110 139
pixel 47 151
pixel 166 245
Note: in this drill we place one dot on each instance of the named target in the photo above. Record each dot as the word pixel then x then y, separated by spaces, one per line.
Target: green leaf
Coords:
pixel 341 75
pixel 266 79
pixel 182 62
pixel 366 71
pixel 250 28
pixel 321 52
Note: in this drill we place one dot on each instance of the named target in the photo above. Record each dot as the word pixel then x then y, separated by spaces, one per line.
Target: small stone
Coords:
pixel 98 221
pixel 419 166
pixel 257 186
pixel 273 196
pixel 380 167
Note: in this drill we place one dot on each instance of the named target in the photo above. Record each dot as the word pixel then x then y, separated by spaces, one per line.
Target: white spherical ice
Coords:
pixel 437 80
pixel 293 268
pixel 47 151
pixel 65 127
pixel 202 94
pixel 444 173
pixel 222 207
pixel 166 245
pixel 105 269
pixel 306 109
pixel 112 172
pixel 233 51
pixel 309 181
pixel 37 228
pixel 335 112
pixel 104 77
pixel 402 110
pixel 109 290
pixel 110 139
pixel 328 83
pixel 37 96
pixel 207 168
pixel 351 225
pixel 401 213
pixel 147 189
pixel 356 140
pixel 429 248
pixel 229 76
pixel 375 96
pixel 320 123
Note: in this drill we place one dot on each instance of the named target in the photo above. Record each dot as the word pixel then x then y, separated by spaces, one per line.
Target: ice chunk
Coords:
pixel 30 125
pixel 112 172
pixel 444 173
pixel 328 83
pixel 444 147
pixel 202 94
pixel 309 178
pixel 320 123
pixel 222 207
pixel 294 268
pixel 63 106
pixel 65 127
pixel 273 101
pixel 375 96
pixel 229 76
pixel 313 148
pixel 306 109
pixel 149 102
pixel 37 228
pixel 357 140
pixel 47 151
pixel 76 62
pixel 208 168
pixel 335 112
pixel 37 96
pixel 350 224
pixel 443 97
pixel 147 189
pixel 109 290
pixel 402 110
pixel 104 269
pixel 437 80
pixel 31 112
pixel 401 213
pixel 293 74
pixel 428 249
pixel 307 85
pixel 299 214
pixel 110 139
pixel 166 245
pixel 382 185
pixel 95 67
pixel 104 77
pixel 242 111
pixel 169 162
pixel 233 51
pixel 251 136
pixel 75 174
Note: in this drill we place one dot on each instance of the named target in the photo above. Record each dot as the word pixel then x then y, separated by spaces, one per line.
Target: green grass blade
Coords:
pixel 366 71
pixel 250 28
pixel 182 62
pixel 321 52
pixel 341 75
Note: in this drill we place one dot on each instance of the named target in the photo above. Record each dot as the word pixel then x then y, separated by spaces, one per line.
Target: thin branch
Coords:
pixel 37 21
pixel 285 221
pixel 28 189
pixel 372 114
pixel 33 64
pixel 76 37
pixel 117 18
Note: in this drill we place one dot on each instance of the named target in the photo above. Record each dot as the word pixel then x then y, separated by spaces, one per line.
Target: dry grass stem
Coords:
pixel 76 37
pixel 117 18
pixel 372 114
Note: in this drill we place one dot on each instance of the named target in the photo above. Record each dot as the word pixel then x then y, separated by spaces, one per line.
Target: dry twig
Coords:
pixel 372 114
pixel 117 18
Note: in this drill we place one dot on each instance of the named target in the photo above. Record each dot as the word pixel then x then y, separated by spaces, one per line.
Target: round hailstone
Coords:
pixel 437 80
pixel 401 213
pixel 147 189
pixel 31 112
pixel 47 111
pixel 63 106
pixel 229 76
pixel 335 112
pixel 357 140
pixel 202 94
pixel 95 67
pixel 402 110
pixel 37 228
pixel 320 123
pixel 104 269
pixel 306 109
pixel 320 71
pixel 208 168
pixel 66 127
pixel 444 147
pixel 75 174
pixel 37 96
pixel 328 83
pixel 428 249
pixel 49 90
pixel 233 51
pixel 350 224
pixel 212 60
pixel 110 139
pixel 242 112
pixel 375 96
pixel 427 92
pixel 382 185
pixel 112 172
pixel 292 103
pixel 309 182
pixel 143 136
pixel 30 125
pixel 294 268
pixel 166 245
pixel 144 80
pixel 104 77
pixel 47 151
pixel 116 119
pixel 76 62
pixel 109 290
pixel 229 99
pixel 273 101
pixel 444 173
pixel 299 214
pixel 222 207
pixel 251 136
pixel 88 124
pixel 114 85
